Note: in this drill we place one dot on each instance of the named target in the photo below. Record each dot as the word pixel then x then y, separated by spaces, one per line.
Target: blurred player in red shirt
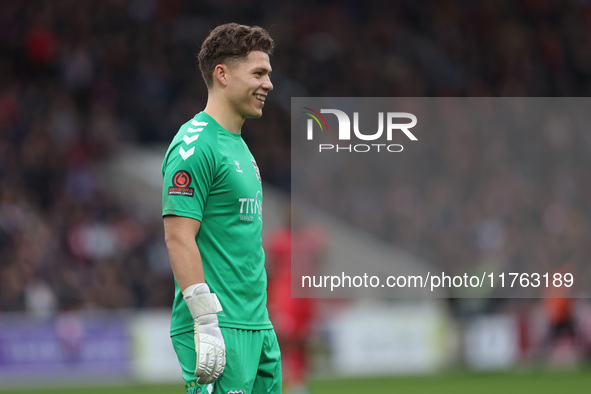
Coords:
pixel 293 318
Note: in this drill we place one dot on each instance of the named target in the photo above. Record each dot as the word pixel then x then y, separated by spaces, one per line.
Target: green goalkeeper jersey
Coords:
pixel 210 175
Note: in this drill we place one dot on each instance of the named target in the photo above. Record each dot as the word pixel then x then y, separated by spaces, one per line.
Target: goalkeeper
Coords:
pixel 212 210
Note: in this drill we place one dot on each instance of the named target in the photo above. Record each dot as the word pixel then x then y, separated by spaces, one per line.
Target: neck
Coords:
pixel 224 114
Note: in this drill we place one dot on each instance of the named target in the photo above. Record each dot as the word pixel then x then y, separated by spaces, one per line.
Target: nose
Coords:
pixel 267 84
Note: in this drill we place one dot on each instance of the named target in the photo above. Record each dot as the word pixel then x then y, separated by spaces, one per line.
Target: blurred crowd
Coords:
pixel 81 80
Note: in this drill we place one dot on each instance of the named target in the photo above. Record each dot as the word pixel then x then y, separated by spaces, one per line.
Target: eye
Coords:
pixel 259 73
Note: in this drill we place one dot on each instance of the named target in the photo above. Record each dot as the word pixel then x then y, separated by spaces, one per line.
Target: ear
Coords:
pixel 220 74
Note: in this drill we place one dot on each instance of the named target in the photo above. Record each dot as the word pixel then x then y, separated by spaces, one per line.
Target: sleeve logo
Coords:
pixel 180 182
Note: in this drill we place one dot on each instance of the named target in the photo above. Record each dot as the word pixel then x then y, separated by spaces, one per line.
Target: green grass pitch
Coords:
pixel 540 382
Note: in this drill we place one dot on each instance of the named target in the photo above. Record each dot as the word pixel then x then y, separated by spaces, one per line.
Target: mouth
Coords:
pixel 261 98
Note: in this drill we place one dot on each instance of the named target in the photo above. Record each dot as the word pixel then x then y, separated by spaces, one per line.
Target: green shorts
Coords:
pixel 253 363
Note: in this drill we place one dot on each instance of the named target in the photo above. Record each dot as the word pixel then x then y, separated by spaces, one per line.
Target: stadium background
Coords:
pixel 90 94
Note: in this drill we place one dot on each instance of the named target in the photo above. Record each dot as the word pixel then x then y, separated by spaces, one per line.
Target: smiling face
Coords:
pixel 247 84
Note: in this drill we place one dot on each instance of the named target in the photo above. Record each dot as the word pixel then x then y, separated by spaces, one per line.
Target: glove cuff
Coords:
pixel 196 289
pixel 200 301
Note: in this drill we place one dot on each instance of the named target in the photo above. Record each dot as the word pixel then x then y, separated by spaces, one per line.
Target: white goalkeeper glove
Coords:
pixel 209 342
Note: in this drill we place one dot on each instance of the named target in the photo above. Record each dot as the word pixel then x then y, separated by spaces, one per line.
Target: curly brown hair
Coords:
pixel 229 42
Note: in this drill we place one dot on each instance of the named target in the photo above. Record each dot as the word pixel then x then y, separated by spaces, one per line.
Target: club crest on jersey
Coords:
pixel 256 169
pixel 181 181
